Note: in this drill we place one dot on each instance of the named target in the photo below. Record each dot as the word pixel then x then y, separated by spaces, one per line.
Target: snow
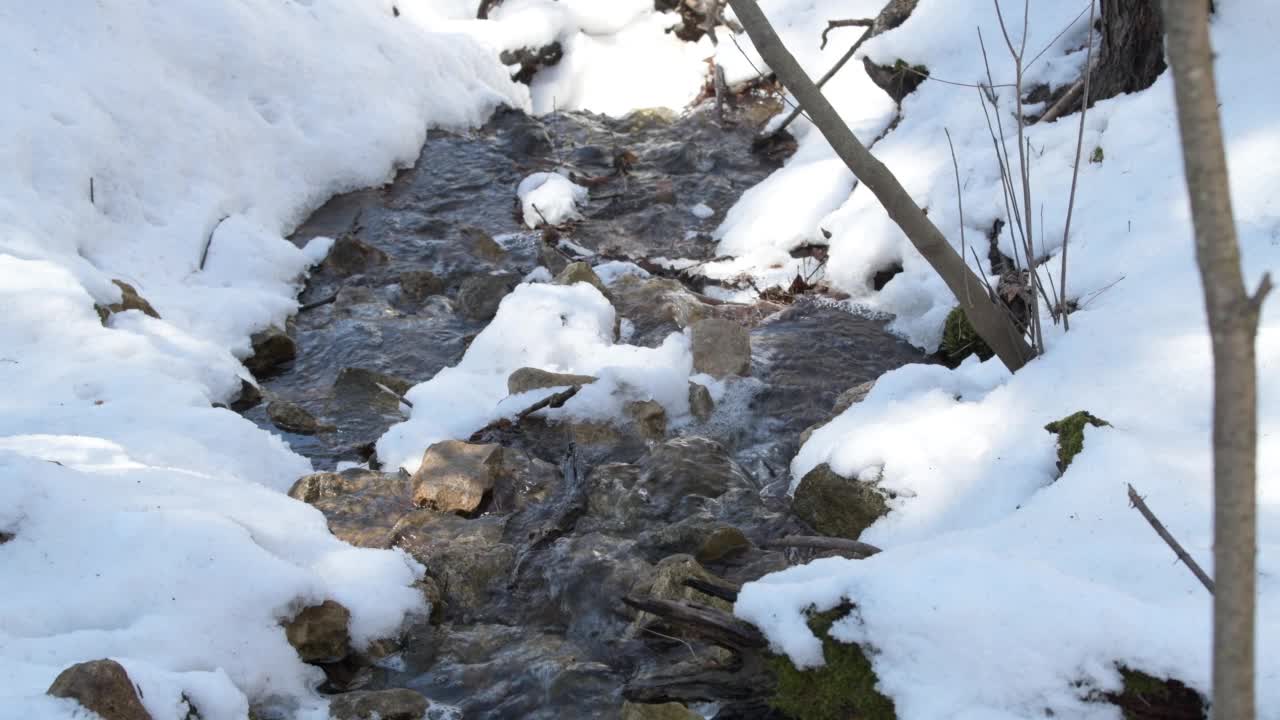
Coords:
pixel 149 526
pixel 559 328
pixel 548 198
pixel 702 211
pixel 609 272
pixel 1003 585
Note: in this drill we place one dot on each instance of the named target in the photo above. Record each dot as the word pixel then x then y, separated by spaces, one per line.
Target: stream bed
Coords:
pixel 527 619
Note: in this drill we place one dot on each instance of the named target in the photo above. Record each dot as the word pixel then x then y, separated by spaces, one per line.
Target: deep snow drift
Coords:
pixel 148 526
pixel 1002 585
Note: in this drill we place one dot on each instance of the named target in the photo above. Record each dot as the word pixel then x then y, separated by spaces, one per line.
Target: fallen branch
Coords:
pixel 987 318
pixel 554 400
pixel 1136 501
pixel 394 394
pixel 723 590
pixel 702 621
pixel 853 547
pixel 833 24
pixel 318 303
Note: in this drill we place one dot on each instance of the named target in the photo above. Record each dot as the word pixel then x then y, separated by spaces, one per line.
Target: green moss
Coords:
pixel 1096 156
pixel 843 688
pixel 1145 697
pixel 1070 432
pixel 960 340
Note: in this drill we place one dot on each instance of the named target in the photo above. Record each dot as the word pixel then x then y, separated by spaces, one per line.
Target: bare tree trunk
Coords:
pixel 989 320
pixel 1233 326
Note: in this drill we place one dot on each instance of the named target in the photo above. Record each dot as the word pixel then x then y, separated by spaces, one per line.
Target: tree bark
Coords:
pixel 1233 325
pixel 989 320
pixel 1132 53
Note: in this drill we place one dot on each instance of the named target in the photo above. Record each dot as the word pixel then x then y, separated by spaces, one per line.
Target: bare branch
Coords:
pixel 1136 501
pixel 833 24
pixel 1075 173
pixel 853 547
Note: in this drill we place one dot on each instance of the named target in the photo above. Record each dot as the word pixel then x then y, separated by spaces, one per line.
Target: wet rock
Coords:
pixel 397 704
pixel 319 633
pixel 434 595
pixel 521 480
pixel 837 506
pixel 363 386
pixel 554 261
pixel 581 272
pixel 465 557
pixel 352 256
pixel 103 687
pixel 361 506
pixel 250 396
pixel 292 417
pixel 700 403
pixel 593 433
pixel 649 118
pixel 720 348
pixel 455 475
pixel 271 348
pixel 351 296
pixel 656 307
pixel 650 418
pixel 668 584
pixel 482 244
pixel 480 295
pixel 527 378
pixel 129 300
pixel 721 543
pixel 663 711
pixel 418 285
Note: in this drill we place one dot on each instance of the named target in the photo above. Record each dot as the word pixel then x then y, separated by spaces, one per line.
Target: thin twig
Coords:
pixel 848 55
pixel 204 254
pixel 955 165
pixel 833 24
pixel 91 201
pixel 394 394
pixel 318 303
pixel 1075 174
pixel 1136 500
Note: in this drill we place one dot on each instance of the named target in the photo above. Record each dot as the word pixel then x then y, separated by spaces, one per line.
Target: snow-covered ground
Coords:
pixel 1000 586
pixel 150 527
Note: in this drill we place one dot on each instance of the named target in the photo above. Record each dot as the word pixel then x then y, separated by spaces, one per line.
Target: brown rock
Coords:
pixel 319 633
pixel 271 348
pixel 721 543
pixel 250 397
pixel 721 348
pixel 482 244
pixel 700 403
pixel 454 475
pixel 103 687
pixel 351 255
pixel 657 711
pixel 527 378
pixel 361 506
pixel 480 295
pixel 418 285
pixel 129 300
pixel 649 417
pixel 397 704
pixel 466 558
pixel 580 272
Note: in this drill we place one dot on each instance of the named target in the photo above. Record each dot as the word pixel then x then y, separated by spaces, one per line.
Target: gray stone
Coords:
pixel 527 378
pixel 721 348
pixel 837 506
pixel 293 418
pixel 480 295
pixel 397 704
pixel 271 348
pixel 482 244
pixel 319 633
pixel 103 687
pixel 700 403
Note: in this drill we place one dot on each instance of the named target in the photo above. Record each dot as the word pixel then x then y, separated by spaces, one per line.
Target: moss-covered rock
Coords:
pixel 845 687
pixel 1070 432
pixel 960 340
pixel 1145 697
pixel 835 505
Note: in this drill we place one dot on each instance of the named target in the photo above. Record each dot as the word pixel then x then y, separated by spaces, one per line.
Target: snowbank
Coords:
pixel 618 55
pixel 559 328
pixel 1002 586
pixel 147 525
